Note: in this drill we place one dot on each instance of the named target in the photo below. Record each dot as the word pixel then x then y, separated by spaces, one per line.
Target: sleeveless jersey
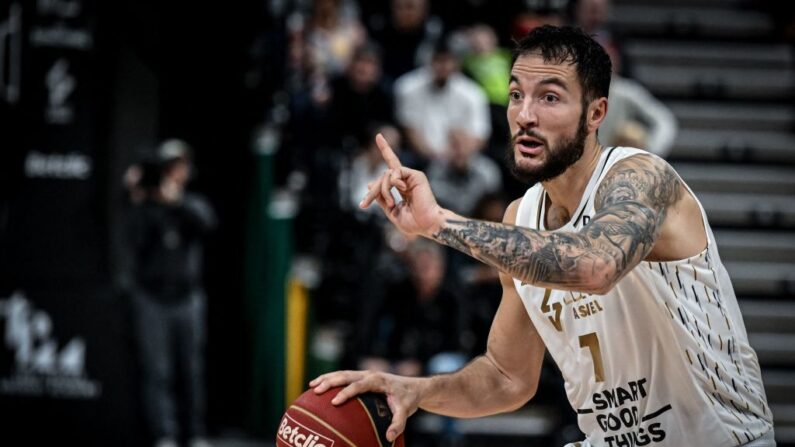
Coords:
pixel 663 358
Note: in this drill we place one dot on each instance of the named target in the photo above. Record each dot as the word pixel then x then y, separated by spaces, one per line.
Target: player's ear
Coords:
pixel 597 110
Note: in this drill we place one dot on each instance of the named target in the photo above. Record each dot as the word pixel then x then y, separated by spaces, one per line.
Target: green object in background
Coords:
pixel 491 71
pixel 268 258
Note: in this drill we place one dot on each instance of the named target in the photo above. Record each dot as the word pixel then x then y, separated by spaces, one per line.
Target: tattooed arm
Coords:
pixel 631 205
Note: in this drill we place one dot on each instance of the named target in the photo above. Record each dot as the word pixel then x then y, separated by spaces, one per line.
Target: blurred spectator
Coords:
pixel 418 319
pixel 320 48
pixel 349 238
pixel 635 117
pixel 167 231
pixel 592 16
pixel 332 36
pixel 412 323
pixel 358 99
pixel 461 14
pixel 538 13
pixel 436 100
pixel 481 289
pixel 408 37
pixel 490 66
pixel 366 167
pixel 464 177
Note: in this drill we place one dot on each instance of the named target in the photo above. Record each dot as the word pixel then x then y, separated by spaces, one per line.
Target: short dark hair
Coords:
pixel 442 48
pixel 368 49
pixel 559 44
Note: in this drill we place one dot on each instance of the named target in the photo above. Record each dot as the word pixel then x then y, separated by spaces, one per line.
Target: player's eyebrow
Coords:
pixel 554 81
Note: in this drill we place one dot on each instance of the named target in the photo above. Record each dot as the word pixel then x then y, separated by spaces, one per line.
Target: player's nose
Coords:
pixel 527 116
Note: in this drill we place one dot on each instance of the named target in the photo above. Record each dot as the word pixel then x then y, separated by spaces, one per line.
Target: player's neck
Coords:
pixel 566 190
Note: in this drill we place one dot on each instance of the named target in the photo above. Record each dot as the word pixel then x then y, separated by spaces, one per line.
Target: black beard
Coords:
pixel 440 84
pixel 559 158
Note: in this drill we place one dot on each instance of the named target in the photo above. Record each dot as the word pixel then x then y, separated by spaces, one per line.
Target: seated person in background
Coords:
pixel 635 118
pixel 462 179
pixel 332 35
pixel 480 283
pixel 490 66
pixel 407 37
pixel 418 321
pixel 433 101
pixel 365 167
pixel 358 98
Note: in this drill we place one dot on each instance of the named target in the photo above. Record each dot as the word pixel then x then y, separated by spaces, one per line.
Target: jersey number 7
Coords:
pixel 591 341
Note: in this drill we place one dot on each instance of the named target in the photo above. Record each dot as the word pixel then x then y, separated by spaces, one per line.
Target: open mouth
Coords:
pixel 529 146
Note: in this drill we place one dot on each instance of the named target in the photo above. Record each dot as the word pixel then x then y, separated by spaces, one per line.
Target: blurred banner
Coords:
pixel 53 82
pixel 63 378
pixel 64 374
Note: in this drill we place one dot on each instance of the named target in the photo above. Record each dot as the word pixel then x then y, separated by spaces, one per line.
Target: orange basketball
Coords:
pixel 312 421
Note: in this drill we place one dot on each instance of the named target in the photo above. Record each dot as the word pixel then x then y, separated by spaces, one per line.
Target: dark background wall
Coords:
pixel 100 84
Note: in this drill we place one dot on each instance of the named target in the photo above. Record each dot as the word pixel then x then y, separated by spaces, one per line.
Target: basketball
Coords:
pixel 312 421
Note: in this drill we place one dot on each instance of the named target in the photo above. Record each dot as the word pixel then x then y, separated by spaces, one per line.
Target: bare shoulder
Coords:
pixel 645 191
pixel 641 178
pixel 511 212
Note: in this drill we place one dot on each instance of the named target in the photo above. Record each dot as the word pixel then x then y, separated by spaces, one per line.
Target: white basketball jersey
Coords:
pixel 663 358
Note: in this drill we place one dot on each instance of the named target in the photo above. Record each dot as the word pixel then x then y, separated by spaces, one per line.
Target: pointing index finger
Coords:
pixel 386 151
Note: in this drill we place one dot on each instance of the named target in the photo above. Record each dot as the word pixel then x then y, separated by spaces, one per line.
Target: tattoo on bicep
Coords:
pixel 653 183
pixel 631 204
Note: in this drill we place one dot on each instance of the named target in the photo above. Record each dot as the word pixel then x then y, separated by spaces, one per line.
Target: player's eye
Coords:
pixel 549 98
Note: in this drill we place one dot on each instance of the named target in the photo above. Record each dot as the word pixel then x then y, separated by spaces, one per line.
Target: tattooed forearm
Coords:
pixel 565 260
pixel 631 205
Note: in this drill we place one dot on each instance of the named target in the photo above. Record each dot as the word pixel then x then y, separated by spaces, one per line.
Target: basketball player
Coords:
pixel 608 261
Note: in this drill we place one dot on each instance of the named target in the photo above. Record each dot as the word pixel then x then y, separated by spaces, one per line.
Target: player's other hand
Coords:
pixel 402 393
pixel 418 213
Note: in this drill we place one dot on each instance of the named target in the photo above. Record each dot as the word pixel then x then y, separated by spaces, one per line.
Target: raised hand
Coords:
pixel 402 393
pixel 418 212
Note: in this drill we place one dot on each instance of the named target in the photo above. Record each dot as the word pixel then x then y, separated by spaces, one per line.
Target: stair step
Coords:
pixel 784 423
pixel 691 21
pixel 769 316
pixel 773 348
pixel 731 145
pixel 749 210
pixel 732 116
pixel 783 414
pixel 716 82
pixel 779 386
pixel 756 246
pixel 717 54
pixel 726 178
pixel 762 278
pixel 712 3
